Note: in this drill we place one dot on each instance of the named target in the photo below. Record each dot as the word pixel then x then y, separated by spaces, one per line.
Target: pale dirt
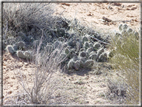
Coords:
pixel 89 14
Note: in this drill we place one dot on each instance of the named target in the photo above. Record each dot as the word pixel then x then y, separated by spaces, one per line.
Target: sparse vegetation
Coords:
pixel 54 44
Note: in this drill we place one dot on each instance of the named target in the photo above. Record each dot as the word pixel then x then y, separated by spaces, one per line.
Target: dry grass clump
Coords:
pixel 126 60
pixel 25 16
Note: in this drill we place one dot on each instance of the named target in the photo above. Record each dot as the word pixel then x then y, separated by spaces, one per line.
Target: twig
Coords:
pixel 100 41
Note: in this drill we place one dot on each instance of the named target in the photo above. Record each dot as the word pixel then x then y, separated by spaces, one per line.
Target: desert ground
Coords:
pixel 79 87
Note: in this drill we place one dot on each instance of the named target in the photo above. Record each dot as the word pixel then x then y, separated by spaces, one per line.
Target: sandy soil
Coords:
pixel 89 14
pixel 92 85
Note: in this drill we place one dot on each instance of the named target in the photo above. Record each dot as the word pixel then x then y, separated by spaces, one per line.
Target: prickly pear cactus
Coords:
pixel 83 54
pixel 20 45
pixel 81 61
pixel 100 51
pixel 76 65
pixel 70 64
pixel 61 39
pixel 96 46
pixel 10 49
pixel 67 51
pixel 20 54
pixel 93 56
pixel 22 35
pixel 136 35
pixel 84 39
pixel 28 54
pixel 89 63
pixel 86 45
pixel 103 57
pixel 89 50
pixel 126 31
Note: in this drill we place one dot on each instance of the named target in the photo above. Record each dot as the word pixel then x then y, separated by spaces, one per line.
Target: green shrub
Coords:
pixel 126 59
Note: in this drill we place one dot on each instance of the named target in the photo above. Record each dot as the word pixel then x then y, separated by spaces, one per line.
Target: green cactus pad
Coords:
pixel 125 26
pixel 103 57
pixel 129 30
pixel 84 38
pixel 20 44
pixel 28 54
pixel 136 35
pixel 20 54
pixel 89 50
pixel 10 49
pixel 76 65
pixel 93 56
pixel 67 51
pixel 89 63
pixel 81 63
pixel 120 27
pixel 86 45
pixel 61 39
pixel 96 46
pixel 91 45
pixel 82 54
pixel 70 64
pixel 100 51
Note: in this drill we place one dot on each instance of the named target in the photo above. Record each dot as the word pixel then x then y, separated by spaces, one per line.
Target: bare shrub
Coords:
pixel 47 63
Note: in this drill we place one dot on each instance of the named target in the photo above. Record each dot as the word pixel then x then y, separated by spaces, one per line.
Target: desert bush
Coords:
pixel 47 63
pixel 26 16
pixel 126 60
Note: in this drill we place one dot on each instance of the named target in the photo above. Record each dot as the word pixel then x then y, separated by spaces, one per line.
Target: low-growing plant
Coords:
pixel 126 59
